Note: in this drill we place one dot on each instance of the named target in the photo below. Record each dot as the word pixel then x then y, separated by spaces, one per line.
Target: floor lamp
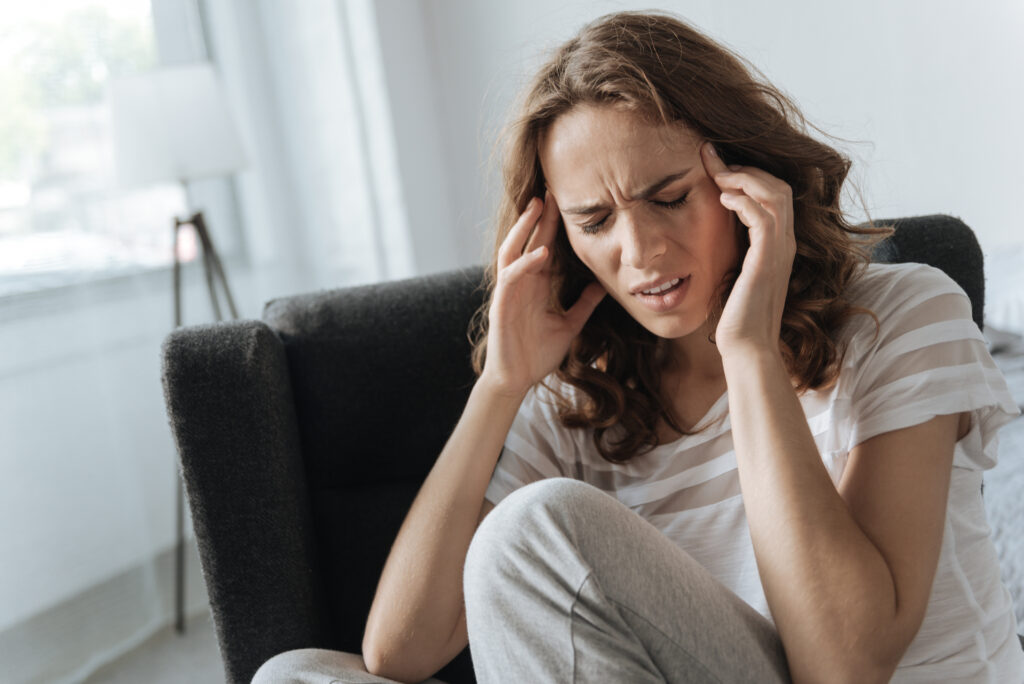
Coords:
pixel 168 125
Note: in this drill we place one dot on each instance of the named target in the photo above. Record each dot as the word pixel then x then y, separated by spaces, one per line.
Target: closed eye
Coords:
pixel 674 204
pixel 591 228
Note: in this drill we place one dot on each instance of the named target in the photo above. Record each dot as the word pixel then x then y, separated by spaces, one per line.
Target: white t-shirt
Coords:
pixel 928 359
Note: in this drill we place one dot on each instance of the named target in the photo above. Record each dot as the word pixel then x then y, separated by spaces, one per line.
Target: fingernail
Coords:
pixel 711 150
pixel 735 167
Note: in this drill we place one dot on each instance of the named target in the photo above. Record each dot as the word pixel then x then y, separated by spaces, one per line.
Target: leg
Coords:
pixel 319 666
pixel 564 583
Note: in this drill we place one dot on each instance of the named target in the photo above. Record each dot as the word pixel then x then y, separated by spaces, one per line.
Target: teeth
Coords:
pixel 670 284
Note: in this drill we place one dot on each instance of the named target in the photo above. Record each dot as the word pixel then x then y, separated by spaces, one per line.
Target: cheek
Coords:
pixel 719 243
pixel 730 244
pixel 587 251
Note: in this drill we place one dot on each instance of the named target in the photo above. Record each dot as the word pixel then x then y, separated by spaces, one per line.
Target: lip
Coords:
pixel 660 303
pixel 651 284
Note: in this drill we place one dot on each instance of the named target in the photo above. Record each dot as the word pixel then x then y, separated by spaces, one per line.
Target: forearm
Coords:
pixel 829 588
pixel 419 596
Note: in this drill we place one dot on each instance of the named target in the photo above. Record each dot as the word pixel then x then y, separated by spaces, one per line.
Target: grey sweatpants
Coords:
pixel 563 583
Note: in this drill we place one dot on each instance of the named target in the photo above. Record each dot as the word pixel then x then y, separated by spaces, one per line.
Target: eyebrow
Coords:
pixel 642 193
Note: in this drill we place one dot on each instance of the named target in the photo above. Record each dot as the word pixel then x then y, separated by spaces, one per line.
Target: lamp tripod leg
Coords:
pixel 179 554
pixel 179 564
pixel 213 270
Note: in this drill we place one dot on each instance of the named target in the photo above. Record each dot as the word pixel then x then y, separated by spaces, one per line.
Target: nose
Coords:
pixel 641 242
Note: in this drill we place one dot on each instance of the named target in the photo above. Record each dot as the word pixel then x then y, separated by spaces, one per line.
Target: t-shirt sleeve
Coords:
pixel 537 446
pixel 928 359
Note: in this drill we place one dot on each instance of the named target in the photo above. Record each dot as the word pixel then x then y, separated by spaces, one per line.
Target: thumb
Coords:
pixel 583 308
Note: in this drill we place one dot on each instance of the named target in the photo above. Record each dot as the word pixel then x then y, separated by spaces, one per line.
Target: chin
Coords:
pixel 672 329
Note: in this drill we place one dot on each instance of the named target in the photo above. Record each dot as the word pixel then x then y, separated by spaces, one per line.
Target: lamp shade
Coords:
pixel 172 124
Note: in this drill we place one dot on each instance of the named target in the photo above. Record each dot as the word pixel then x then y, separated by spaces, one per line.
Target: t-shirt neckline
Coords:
pixel 709 420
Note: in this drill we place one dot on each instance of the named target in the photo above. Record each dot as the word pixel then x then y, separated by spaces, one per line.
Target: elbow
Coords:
pixel 865 673
pixel 878 666
pixel 377 660
pixel 846 673
pixel 861 651
pixel 372 658
pixel 868 674
pixel 860 664
pixel 381 663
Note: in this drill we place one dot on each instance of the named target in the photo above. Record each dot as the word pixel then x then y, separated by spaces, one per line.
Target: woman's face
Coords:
pixel 642 214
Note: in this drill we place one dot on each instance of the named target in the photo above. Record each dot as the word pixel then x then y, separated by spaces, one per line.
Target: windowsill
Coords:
pixel 106 290
pixel 42 331
pixel 60 327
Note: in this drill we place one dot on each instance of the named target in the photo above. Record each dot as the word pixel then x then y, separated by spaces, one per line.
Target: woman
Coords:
pixel 679 316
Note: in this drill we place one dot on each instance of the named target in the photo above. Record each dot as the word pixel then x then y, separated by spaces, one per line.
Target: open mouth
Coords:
pixel 665 297
pixel 663 290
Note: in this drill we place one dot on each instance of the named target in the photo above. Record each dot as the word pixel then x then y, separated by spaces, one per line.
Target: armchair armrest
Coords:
pixel 230 405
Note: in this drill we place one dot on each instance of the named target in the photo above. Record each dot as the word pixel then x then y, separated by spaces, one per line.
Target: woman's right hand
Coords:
pixel 526 339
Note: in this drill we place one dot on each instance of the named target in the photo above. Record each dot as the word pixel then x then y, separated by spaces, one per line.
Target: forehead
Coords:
pixel 591 149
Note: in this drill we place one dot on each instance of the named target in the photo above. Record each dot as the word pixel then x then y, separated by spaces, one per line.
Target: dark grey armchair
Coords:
pixel 305 436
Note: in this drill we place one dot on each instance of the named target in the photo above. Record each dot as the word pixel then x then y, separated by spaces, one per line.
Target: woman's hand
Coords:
pixel 752 319
pixel 526 339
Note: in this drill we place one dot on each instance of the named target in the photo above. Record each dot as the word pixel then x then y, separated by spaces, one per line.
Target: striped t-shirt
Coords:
pixel 928 359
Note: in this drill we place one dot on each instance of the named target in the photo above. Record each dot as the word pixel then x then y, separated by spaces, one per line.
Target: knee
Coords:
pixel 512 513
pixel 521 519
pixel 285 667
pixel 306 665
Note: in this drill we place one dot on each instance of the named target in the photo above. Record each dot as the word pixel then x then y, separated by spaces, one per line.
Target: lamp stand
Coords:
pixel 214 271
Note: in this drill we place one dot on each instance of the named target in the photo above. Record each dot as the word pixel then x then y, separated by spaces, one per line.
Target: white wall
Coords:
pixel 933 89
pixel 86 452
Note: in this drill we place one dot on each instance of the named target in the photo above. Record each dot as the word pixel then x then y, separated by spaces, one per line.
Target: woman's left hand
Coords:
pixel 752 319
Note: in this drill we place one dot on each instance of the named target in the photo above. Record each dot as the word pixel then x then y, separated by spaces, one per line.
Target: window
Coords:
pixel 63 220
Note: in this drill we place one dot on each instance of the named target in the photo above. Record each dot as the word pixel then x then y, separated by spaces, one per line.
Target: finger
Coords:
pixel 512 246
pixel 751 213
pixel 547 225
pixel 584 307
pixel 531 262
pixel 757 183
pixel 713 164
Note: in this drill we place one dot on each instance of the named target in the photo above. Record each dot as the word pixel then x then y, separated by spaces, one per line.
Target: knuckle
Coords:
pixel 505 251
pixel 504 274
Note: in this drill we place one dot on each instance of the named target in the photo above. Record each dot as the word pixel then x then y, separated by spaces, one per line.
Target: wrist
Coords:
pixel 498 389
pixel 745 357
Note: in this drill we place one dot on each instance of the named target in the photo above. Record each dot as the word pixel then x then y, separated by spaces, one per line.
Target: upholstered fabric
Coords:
pixel 233 416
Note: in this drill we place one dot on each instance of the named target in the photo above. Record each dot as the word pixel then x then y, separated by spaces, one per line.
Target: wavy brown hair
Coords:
pixel 660 68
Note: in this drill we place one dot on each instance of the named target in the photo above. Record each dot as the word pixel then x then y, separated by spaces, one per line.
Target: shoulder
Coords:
pixel 902 298
pixel 925 357
pixel 886 287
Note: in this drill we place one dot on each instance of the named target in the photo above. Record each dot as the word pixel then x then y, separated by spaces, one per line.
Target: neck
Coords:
pixel 697 358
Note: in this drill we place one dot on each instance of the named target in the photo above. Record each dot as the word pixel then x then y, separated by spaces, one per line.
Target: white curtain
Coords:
pixel 322 201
